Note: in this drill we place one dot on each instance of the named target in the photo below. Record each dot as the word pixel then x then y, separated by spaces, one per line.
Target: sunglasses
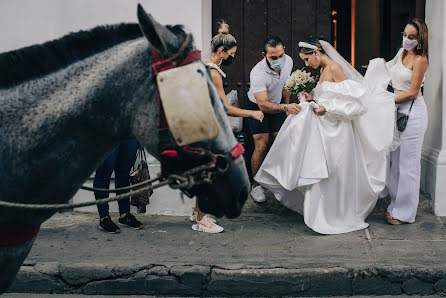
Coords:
pixel 410 37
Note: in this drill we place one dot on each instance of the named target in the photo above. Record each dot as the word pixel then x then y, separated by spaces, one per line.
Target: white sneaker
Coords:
pixel 258 194
pixel 207 225
pixel 194 214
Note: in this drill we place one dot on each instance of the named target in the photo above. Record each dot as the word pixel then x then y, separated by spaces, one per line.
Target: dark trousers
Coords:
pixel 121 161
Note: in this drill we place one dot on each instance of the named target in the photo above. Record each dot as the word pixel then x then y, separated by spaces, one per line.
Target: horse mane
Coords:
pixel 37 60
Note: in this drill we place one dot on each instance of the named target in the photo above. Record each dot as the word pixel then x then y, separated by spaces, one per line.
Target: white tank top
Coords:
pixel 217 68
pixel 400 75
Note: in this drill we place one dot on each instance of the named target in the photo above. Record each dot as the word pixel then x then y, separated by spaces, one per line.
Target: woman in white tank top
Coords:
pixel 224 46
pixel 407 72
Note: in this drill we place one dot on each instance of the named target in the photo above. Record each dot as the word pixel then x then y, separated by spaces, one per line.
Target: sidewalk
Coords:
pixel 268 251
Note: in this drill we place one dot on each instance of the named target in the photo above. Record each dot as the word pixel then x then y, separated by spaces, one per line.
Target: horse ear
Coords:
pixel 158 35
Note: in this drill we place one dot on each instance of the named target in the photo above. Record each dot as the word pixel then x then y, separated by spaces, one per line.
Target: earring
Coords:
pixel 419 47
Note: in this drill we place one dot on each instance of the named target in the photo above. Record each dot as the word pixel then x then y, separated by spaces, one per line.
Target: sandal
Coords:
pixel 394 221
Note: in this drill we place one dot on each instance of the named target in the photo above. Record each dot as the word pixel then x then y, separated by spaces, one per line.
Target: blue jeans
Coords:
pixel 121 161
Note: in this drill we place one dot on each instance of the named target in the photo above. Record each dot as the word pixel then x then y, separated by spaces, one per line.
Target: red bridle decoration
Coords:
pixel 237 151
pixel 160 65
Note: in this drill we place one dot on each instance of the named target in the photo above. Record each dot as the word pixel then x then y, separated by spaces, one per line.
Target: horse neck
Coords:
pixel 58 129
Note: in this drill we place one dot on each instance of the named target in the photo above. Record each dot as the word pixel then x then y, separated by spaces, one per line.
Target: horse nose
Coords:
pixel 239 175
pixel 222 164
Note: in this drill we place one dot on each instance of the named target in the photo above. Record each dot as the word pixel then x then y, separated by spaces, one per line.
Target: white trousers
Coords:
pixel 405 171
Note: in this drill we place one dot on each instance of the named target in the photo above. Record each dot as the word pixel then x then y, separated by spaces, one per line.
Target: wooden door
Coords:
pixel 251 21
pixel 394 15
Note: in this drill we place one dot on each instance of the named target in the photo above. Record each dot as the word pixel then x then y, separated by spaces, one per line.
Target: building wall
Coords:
pixel 24 22
pixel 434 153
pixel 28 22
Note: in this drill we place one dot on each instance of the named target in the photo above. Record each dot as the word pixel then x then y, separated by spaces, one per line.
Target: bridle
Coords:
pixel 182 167
pixel 178 159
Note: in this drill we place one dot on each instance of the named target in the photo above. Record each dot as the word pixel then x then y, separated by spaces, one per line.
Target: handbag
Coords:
pixel 401 123
pixel 235 122
pixel 140 174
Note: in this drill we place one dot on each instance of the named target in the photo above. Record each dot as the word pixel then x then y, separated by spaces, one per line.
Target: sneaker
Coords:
pixel 207 225
pixel 131 221
pixel 108 225
pixel 258 194
pixel 194 215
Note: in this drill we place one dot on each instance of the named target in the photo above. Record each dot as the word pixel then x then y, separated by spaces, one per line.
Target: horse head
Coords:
pixel 229 190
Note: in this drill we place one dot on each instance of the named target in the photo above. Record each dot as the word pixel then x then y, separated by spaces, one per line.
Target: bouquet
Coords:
pixel 300 81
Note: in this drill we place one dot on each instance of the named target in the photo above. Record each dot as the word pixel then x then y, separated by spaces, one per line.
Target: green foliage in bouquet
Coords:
pixel 300 81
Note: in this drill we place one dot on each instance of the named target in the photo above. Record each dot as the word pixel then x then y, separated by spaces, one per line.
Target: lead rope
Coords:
pixel 185 181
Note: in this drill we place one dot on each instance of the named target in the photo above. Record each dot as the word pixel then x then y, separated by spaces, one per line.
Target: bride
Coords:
pixel 329 162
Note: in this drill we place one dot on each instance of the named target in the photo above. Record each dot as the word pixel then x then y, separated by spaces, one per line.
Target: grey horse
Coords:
pixel 67 103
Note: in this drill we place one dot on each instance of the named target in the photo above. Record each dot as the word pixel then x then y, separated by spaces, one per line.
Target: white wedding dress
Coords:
pixel 332 168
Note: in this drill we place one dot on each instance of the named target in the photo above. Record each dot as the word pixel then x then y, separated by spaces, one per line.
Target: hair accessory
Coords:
pixel 304 44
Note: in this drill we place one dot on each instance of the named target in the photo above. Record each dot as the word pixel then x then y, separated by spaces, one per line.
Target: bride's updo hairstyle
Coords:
pixel 223 38
pixel 313 41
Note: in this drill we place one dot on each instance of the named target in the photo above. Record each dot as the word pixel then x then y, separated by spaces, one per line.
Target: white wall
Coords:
pixel 27 22
pixel 434 151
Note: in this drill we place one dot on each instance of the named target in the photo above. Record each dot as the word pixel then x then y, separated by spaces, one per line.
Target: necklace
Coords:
pixel 217 63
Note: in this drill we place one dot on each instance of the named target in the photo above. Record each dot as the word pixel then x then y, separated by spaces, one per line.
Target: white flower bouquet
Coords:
pixel 300 81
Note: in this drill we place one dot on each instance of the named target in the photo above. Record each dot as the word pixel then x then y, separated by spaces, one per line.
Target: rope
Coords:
pixel 56 207
pixel 131 187
pixel 174 181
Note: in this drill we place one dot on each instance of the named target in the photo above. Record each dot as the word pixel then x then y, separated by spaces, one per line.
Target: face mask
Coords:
pixel 227 61
pixel 276 64
pixel 409 44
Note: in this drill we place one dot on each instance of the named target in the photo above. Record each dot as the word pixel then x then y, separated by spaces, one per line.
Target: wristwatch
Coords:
pixel 285 108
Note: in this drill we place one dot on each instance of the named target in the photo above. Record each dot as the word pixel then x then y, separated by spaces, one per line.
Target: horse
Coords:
pixel 67 103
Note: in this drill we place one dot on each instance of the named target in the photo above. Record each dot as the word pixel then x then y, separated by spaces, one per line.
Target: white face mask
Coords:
pixel 409 44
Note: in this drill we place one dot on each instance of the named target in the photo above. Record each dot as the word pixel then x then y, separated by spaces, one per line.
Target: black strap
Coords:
pixel 410 109
pixel 142 152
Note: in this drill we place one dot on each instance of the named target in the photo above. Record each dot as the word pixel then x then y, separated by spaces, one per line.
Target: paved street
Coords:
pixel 268 251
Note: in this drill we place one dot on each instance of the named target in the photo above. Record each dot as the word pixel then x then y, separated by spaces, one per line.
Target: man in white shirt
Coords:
pixel 267 79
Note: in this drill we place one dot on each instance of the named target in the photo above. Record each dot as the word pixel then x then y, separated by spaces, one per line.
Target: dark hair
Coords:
pixel 272 41
pixel 223 38
pixel 422 48
pixel 313 41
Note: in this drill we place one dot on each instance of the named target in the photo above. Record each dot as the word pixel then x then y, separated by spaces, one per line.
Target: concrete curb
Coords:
pixel 199 280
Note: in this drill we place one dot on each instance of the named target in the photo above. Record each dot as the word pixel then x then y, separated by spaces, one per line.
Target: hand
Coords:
pixel 307 96
pixel 320 111
pixel 258 115
pixel 293 108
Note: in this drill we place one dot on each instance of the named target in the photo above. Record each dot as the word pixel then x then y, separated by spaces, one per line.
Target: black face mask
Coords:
pixel 227 61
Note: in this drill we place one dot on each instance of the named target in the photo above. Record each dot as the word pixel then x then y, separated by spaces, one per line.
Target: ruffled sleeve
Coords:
pixel 342 99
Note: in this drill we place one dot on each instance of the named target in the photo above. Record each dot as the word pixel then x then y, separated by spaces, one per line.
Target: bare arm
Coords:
pixel 337 73
pixel 286 94
pixel 266 106
pixel 419 69
pixel 232 111
pixel 274 108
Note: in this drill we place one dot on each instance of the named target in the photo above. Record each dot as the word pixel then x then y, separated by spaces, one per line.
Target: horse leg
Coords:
pixel 11 258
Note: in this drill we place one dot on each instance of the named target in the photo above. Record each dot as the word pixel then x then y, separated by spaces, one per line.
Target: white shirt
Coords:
pixel 262 78
pixel 400 78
